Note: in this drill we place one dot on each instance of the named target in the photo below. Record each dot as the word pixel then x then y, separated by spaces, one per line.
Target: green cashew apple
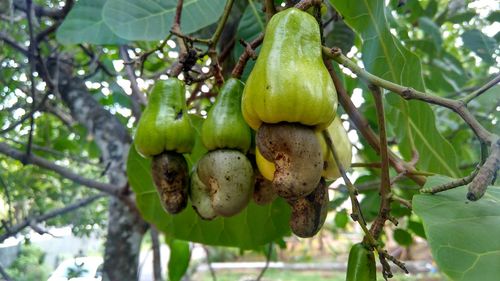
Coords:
pixel 361 264
pixel 309 212
pixel 228 177
pixel 289 82
pixel 165 124
pixel 288 96
pixel 163 133
pixel 223 181
pixel 225 126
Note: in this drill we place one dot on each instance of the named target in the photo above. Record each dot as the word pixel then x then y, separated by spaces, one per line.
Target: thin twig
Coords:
pixel 408 93
pixel 49 215
pixel 268 260
pixel 385 183
pixel 209 263
pixel 270 9
pixel 246 55
pixel 481 90
pixel 491 163
pixel 64 172
pixel 366 131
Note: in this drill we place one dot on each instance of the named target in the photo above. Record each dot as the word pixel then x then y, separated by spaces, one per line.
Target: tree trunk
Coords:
pixel 125 226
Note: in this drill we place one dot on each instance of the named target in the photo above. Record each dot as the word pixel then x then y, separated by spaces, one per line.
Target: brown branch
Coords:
pixel 11 231
pixel 64 172
pixel 366 131
pixel 491 164
pixel 183 51
pixel 270 9
pixel 306 4
pixel 407 93
pixel 486 173
pixel 246 55
pixel 385 183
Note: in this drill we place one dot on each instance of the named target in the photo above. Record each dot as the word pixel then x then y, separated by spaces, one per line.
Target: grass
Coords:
pixel 284 275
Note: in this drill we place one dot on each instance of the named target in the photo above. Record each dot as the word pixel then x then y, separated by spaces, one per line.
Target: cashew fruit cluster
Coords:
pixel 164 132
pixel 222 182
pixel 289 98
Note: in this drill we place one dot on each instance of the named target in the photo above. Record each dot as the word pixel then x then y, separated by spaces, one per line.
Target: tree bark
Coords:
pixel 125 226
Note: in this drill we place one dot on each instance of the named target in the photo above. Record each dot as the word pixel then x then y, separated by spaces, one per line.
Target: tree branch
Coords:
pixel 48 215
pixel 11 42
pixel 481 90
pixel 366 131
pixel 385 183
pixel 246 55
pixel 137 97
pixel 64 172
pixel 491 164
pixel 409 93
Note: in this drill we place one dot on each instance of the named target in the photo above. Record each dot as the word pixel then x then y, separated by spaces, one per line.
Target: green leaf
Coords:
pixel 386 57
pixel 252 24
pixel 178 263
pixel 341 218
pixel 463 235
pixel 481 44
pixel 84 24
pixel 403 237
pixel 244 230
pixel 432 31
pixel 152 19
pixel 494 16
pixel 417 228
pixel 341 36
pixel 462 17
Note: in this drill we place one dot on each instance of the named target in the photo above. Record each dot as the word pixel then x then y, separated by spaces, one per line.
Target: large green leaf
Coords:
pixel 385 56
pixel 252 24
pixel 84 24
pixel 481 44
pixel 463 236
pixel 152 19
pixel 432 31
pixel 254 226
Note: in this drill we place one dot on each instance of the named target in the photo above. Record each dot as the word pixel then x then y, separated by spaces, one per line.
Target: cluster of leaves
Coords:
pixel 29 264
